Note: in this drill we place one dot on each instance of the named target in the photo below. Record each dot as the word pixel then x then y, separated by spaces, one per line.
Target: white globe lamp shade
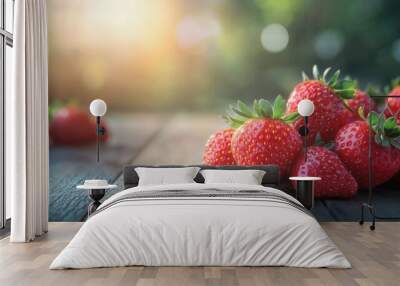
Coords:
pixel 305 107
pixel 98 107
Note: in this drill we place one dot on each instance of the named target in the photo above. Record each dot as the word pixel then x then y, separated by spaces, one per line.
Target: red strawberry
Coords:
pixel 336 181
pixel 217 151
pixel 352 148
pixel 361 100
pixel 393 103
pixel 72 126
pixel 327 96
pixel 263 135
pixel 393 107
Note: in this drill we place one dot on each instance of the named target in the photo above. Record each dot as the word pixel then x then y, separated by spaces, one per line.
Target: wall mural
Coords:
pixel 220 82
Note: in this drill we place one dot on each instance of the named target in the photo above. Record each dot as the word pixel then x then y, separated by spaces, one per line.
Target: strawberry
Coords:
pixel 217 151
pixel 393 106
pixel 393 103
pixel 263 134
pixel 352 148
pixel 361 100
pixel 73 126
pixel 336 180
pixel 328 97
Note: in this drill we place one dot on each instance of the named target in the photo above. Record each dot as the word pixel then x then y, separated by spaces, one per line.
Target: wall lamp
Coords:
pixel 305 109
pixel 98 108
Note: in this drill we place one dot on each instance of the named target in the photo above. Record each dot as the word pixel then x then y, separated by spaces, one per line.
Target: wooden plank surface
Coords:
pixel 375 258
pixel 70 166
pixel 165 139
pixel 144 138
pixel 181 141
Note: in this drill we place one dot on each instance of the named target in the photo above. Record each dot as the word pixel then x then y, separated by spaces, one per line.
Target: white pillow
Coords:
pixel 248 177
pixel 163 176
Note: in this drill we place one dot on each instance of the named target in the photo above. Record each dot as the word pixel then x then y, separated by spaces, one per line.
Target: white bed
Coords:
pixel 207 230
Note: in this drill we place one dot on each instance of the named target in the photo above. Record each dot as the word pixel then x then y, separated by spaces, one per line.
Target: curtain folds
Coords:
pixel 27 123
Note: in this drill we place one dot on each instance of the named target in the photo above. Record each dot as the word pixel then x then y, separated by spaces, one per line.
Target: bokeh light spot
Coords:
pixel 274 38
pixel 328 44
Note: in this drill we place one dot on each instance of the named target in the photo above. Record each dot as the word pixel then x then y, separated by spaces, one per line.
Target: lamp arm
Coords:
pixel 305 137
pixel 100 131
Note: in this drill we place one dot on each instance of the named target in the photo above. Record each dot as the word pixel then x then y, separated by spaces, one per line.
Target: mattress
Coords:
pixel 201 225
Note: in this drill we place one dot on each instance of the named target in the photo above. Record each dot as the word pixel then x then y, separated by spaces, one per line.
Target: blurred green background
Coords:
pixel 184 55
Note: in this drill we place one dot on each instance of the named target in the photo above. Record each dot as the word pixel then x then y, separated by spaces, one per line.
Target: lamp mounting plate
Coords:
pixel 303 131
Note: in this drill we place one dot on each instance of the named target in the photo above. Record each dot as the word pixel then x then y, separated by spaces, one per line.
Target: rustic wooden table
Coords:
pixel 137 138
pixel 162 139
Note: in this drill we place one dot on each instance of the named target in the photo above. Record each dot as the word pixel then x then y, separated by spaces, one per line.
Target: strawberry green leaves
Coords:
pixel 344 88
pixel 279 108
pixel 387 131
pixel 334 79
pixel 234 120
pixel 238 114
pixel 390 127
pixel 304 76
pixel 372 119
pixel 316 72
pixel 264 106
pixel 290 118
pixel 325 74
pixel 243 110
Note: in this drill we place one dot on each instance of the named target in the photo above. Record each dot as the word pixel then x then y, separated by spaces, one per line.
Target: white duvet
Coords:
pixel 200 231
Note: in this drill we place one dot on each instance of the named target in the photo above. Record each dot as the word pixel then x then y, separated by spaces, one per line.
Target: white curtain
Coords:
pixel 27 123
